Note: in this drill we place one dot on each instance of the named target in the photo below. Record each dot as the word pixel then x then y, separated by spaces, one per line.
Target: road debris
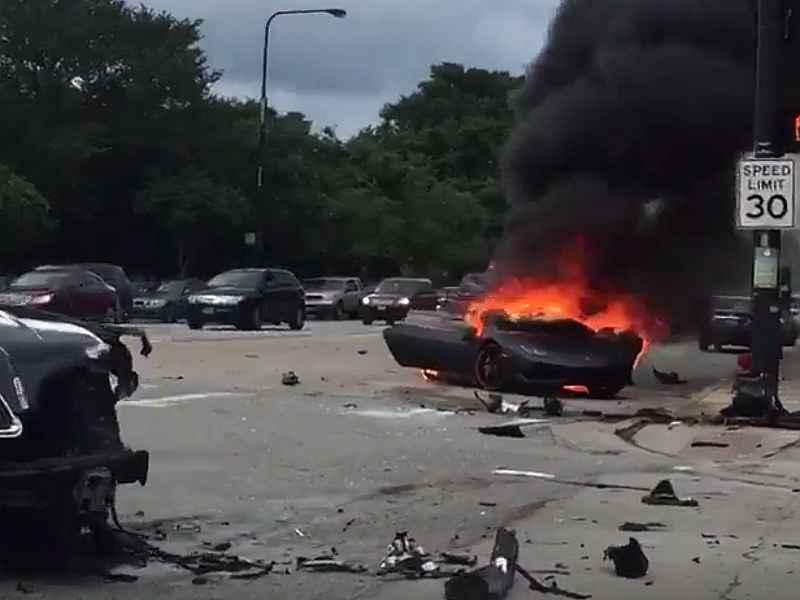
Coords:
pixel 664 495
pixel 406 556
pixel 633 526
pixel 290 378
pixel 696 559
pixel 552 589
pixel 629 561
pixel 200 580
pixel 707 444
pixel 328 564
pixel 490 582
pixel 553 407
pixel 454 558
pixel 488 504
pixel 299 532
pixel 350 405
pixel 515 473
pixel 512 429
pixel 671 378
pixel 493 404
pixel 25 588
pixel 121 577
pixel 790 546
pixel 362 352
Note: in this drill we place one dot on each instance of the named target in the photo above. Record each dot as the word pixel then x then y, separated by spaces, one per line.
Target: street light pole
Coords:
pixel 339 13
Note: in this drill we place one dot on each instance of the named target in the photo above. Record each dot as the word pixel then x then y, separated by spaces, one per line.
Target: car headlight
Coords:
pixel 98 350
pixel 365 300
pixel 43 299
pixel 193 299
pixel 228 300
pixel 404 302
pixel 158 303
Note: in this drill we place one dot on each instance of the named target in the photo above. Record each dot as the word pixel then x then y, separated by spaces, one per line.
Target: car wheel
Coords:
pixel 489 367
pixel 195 324
pixel 338 312
pixel 367 321
pixel 605 392
pixel 252 321
pixel 298 321
pixel 168 316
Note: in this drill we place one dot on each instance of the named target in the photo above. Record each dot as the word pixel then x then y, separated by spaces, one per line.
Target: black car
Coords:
pixel 530 356
pixel 247 298
pixel 167 302
pixel 61 453
pixel 394 297
pixel 729 320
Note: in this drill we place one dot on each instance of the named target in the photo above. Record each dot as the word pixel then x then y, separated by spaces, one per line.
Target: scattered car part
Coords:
pixel 404 555
pixel 290 378
pixel 671 378
pixel 552 589
pixel 639 527
pixel 327 564
pixel 629 560
pixel 664 495
pixel 452 558
pixel 512 429
pixel 493 581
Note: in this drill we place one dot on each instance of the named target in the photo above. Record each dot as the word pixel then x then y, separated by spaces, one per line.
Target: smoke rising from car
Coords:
pixel 629 125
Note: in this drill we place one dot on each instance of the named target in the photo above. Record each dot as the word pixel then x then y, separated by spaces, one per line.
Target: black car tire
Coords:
pixel 195 324
pixel 605 392
pixel 252 321
pixel 367 321
pixel 168 314
pixel 338 312
pixel 298 320
pixel 489 367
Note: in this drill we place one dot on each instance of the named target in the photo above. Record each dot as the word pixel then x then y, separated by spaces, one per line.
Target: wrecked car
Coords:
pixel 61 454
pixel 530 356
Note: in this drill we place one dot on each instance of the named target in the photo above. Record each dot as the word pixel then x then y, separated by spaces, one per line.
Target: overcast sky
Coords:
pixel 341 71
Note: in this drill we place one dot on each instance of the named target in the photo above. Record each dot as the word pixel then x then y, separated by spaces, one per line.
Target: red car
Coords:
pixel 73 292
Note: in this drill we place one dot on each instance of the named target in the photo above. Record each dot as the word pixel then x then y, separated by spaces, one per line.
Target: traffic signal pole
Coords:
pixel 766 340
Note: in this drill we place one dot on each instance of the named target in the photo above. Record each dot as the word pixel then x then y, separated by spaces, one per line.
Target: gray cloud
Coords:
pixel 341 71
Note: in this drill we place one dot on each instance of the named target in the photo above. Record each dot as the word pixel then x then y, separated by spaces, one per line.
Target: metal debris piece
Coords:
pixel 553 407
pixel 629 561
pixel 350 405
pixel 664 495
pixel 454 558
pixel 290 378
pixel 327 563
pixel 790 546
pixel 299 532
pixel 405 555
pixel 707 444
pixel 671 378
pixel 552 589
pixel 494 403
pixel 493 581
pixel 512 429
pixel 633 526
pixel 696 559
pixel 488 504
pixel 362 352
pixel 123 577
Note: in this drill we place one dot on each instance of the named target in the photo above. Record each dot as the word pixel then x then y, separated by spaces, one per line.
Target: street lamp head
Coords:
pixel 339 13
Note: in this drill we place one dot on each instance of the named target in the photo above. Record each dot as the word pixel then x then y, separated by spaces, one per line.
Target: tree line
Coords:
pixel 114 147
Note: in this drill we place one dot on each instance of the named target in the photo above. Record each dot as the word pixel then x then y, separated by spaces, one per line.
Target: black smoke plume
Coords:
pixel 629 126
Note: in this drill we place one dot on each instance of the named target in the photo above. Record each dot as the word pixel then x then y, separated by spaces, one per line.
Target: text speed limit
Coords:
pixel 766 194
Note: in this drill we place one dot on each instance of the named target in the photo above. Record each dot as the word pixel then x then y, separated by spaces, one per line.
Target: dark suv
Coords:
pixel 247 298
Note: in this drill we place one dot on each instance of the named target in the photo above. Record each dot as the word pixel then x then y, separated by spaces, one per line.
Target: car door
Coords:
pixel 352 293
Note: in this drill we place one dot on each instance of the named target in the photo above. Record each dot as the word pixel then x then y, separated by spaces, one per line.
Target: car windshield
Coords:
pixel 316 285
pixel 241 279
pixel 398 286
pixel 41 279
pixel 170 287
pixel 559 327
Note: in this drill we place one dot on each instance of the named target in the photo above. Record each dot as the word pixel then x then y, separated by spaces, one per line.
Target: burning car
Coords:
pixel 61 454
pixel 533 356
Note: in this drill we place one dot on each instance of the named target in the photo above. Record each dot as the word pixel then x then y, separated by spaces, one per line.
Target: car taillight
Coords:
pixel 42 299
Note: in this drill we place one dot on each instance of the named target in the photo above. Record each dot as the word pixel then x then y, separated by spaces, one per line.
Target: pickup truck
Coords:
pixel 334 297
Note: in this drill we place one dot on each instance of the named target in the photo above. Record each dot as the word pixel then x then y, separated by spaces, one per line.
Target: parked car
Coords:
pixel 729 322
pixel 472 287
pixel 167 302
pixel 335 297
pixel 67 291
pixel 445 294
pixel 247 298
pixel 395 297
pixel 113 275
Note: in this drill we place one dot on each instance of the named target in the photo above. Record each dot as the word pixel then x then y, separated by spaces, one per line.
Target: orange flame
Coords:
pixel 568 295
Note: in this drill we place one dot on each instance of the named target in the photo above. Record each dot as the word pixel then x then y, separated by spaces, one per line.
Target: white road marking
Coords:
pixel 177 399
pixel 515 473
pixel 397 414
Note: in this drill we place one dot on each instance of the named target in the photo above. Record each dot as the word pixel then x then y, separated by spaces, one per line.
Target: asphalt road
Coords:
pixel 358 450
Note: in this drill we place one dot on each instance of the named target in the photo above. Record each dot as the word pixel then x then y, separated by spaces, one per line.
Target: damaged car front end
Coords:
pixel 61 453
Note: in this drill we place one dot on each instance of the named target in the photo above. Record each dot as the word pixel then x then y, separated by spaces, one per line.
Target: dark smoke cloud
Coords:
pixel 629 126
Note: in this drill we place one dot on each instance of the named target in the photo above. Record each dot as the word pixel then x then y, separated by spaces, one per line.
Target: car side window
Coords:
pixel 351 286
pixel 90 282
pixel 425 288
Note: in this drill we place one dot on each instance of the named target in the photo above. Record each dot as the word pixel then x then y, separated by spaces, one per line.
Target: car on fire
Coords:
pixel 393 298
pixel 526 355
pixel 729 320
pixel 68 291
pixel 167 302
pixel 61 452
pixel 247 298
pixel 334 297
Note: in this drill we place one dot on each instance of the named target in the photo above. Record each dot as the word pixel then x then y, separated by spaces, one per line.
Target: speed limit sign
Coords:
pixel 766 194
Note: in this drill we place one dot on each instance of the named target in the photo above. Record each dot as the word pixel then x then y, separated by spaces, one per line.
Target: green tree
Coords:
pixel 24 216
pixel 195 211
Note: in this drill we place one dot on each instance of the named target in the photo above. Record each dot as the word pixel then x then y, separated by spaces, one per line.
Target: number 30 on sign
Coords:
pixel 766 194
